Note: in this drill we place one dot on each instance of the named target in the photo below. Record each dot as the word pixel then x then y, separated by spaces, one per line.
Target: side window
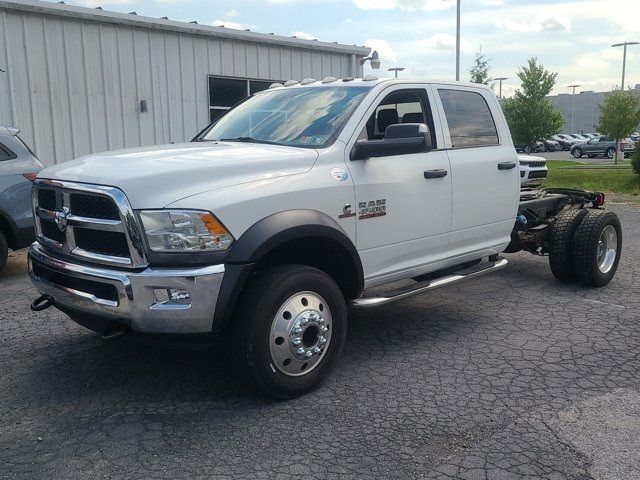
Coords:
pixel 469 118
pixel 401 106
pixel 5 153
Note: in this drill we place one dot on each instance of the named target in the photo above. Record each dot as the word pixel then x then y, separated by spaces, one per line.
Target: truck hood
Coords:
pixel 153 177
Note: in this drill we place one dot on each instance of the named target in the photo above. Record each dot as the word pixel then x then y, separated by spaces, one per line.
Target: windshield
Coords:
pixel 300 117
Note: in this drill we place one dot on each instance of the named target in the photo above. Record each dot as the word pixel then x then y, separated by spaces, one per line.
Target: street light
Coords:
pixel 374 59
pixel 396 70
pixel 573 101
pixel 624 57
pixel 500 79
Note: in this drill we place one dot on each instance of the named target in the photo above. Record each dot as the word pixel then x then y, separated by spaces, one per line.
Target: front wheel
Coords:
pixel 597 248
pixel 577 153
pixel 290 329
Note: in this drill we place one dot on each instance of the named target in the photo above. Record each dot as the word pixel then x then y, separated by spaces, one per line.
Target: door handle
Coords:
pixel 506 165
pixel 438 173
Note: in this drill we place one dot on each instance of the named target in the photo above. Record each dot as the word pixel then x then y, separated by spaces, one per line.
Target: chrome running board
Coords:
pixel 427 285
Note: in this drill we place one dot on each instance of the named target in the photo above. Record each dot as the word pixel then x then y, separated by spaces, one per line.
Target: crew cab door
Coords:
pixel 484 169
pixel 403 201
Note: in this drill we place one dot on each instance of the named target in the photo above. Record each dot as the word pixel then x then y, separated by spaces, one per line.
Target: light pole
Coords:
pixel 396 70
pixel 573 101
pixel 458 40
pixel 624 57
pixel 500 79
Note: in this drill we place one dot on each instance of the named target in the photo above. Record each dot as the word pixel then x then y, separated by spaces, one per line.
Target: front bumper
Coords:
pixel 532 176
pixel 130 298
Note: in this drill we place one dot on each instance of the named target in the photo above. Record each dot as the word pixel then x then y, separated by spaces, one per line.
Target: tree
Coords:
pixel 530 115
pixel 480 70
pixel 619 115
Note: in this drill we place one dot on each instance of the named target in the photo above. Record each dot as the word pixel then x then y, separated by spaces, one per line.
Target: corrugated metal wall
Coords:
pixel 73 86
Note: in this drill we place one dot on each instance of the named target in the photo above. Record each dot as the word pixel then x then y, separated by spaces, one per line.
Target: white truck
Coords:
pixel 299 202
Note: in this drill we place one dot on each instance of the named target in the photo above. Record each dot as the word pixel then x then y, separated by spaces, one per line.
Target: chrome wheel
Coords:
pixel 300 334
pixel 607 249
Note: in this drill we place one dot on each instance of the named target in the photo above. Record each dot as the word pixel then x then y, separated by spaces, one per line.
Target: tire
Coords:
pixel 527 150
pixel 597 248
pixel 576 152
pixel 285 309
pixel 4 251
pixel 561 245
pixel 610 153
pixel 544 148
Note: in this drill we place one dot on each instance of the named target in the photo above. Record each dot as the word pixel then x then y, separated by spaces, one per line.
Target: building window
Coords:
pixel 469 119
pixel 225 92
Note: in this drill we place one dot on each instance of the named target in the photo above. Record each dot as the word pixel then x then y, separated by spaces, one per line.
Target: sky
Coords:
pixel 572 38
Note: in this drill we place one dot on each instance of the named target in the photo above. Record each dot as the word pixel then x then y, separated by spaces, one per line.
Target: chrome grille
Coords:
pixel 91 222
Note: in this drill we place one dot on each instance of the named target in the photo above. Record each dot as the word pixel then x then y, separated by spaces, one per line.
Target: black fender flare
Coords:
pixel 266 235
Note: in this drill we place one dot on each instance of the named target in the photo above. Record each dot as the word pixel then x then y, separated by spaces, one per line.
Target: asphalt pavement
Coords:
pixel 510 376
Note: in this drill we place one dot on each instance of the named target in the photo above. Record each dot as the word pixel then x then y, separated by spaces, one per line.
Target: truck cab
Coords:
pixel 299 201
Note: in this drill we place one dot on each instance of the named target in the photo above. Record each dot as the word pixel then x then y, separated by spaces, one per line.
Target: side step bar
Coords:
pixel 427 285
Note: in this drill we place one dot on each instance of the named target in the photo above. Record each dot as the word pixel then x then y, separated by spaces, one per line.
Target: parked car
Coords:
pixel 18 168
pixel 533 170
pixel 545 146
pixel 579 137
pixel 630 147
pixel 565 141
pixel 600 145
pixel 552 145
pixel 268 230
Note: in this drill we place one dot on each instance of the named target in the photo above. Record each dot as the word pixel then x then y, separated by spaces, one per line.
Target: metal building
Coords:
pixel 581 112
pixel 78 80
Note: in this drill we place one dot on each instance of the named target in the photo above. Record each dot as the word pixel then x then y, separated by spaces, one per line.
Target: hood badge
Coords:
pixel 61 218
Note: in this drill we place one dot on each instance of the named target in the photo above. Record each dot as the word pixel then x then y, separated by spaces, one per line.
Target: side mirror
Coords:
pixel 399 139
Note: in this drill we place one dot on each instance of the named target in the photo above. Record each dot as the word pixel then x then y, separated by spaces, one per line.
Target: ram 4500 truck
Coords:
pixel 300 201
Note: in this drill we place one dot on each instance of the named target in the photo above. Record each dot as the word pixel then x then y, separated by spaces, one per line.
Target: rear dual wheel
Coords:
pixel 597 248
pixel 585 246
pixel 289 330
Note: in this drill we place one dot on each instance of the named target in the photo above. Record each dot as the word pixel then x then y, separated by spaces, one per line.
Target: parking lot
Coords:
pixel 508 376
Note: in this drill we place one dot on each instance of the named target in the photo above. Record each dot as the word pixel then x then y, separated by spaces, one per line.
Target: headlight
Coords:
pixel 524 162
pixel 184 230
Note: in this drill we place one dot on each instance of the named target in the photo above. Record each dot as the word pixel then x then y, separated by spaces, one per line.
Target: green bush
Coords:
pixel 635 159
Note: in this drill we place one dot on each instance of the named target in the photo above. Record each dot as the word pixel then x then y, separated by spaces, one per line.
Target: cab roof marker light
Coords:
pixel 289 83
pixel 308 80
pixel 347 79
pixel 329 79
pixel 369 78
pixel 275 85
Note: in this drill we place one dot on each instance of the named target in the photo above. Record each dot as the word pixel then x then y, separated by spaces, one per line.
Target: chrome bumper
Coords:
pixel 131 297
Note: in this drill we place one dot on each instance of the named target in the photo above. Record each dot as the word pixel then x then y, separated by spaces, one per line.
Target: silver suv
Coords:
pixel 18 168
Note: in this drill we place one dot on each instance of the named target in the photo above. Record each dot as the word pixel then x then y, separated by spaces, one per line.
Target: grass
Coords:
pixel 602 179
pixel 553 164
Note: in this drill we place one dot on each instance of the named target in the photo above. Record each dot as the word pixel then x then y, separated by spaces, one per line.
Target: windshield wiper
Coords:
pixel 248 140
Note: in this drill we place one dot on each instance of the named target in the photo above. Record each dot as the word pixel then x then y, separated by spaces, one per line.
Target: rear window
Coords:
pixel 5 153
pixel 469 119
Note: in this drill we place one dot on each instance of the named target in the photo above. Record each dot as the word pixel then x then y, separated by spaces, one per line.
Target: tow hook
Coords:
pixel 113 334
pixel 41 303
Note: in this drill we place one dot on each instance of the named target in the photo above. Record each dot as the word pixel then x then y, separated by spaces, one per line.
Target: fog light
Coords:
pixel 171 296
